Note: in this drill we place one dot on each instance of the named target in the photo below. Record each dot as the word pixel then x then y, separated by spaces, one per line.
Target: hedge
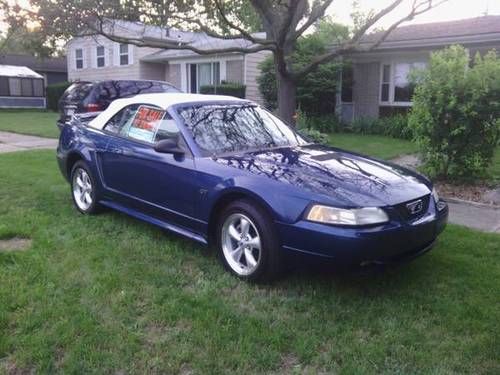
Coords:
pixel 54 93
pixel 226 88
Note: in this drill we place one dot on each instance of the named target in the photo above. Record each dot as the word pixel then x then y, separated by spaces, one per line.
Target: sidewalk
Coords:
pixel 481 217
pixel 10 142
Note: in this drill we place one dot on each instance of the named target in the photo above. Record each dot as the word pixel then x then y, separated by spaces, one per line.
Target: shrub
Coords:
pixel 314 135
pixel 395 126
pixel 324 124
pixel 304 127
pixel 456 112
pixel 54 93
pixel 225 88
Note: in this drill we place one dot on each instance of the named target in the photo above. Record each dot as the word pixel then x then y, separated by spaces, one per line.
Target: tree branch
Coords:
pixel 352 45
pixel 245 34
pixel 317 12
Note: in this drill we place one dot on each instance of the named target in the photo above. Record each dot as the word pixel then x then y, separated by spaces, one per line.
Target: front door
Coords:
pixel 162 185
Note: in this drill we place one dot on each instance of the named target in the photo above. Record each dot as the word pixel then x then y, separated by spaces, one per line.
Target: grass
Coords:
pixel 374 145
pixel 32 122
pixel 110 294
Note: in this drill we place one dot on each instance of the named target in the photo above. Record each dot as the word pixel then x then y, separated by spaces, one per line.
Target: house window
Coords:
pixel 100 56
pixel 79 58
pixel 124 58
pixel 386 83
pixel 395 86
pixel 203 74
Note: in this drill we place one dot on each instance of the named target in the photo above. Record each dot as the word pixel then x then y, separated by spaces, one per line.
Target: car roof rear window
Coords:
pixel 78 91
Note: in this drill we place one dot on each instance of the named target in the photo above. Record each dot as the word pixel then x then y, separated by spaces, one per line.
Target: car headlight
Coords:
pixel 341 216
pixel 435 195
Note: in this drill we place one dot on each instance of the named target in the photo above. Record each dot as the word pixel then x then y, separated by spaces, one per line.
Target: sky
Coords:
pixel 451 10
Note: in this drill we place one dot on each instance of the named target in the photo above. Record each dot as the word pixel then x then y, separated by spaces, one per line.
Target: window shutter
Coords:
pixel 93 57
pixel 116 54
pixel 131 51
pixel 85 58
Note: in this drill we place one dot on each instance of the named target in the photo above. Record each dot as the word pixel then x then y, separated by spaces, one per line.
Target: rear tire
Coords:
pixel 247 243
pixel 84 189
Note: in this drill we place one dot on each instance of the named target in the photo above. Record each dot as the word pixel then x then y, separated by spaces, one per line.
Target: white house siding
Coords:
pixel 151 71
pixel 234 71
pixel 252 71
pixel 173 74
pixel 112 70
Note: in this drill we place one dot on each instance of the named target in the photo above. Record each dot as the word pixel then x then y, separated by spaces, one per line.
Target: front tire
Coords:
pixel 247 243
pixel 84 189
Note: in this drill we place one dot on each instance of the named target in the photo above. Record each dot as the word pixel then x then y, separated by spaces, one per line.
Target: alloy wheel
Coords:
pixel 241 244
pixel 82 189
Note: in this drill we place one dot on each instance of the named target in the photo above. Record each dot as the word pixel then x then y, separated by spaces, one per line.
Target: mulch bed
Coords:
pixel 480 193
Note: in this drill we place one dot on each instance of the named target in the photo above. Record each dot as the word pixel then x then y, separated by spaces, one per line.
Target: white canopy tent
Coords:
pixel 21 87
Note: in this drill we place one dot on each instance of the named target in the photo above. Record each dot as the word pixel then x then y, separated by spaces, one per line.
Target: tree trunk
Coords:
pixel 287 87
pixel 287 98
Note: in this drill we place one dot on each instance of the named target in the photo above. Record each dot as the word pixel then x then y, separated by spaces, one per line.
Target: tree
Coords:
pixel 22 40
pixel 456 113
pixel 284 22
pixel 315 91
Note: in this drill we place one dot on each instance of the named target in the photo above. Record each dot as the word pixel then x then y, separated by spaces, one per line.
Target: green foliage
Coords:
pixel 456 113
pixel 18 39
pixel 325 123
pixel 305 129
pixel 395 126
pixel 225 88
pixel 315 91
pixel 314 135
pixel 54 93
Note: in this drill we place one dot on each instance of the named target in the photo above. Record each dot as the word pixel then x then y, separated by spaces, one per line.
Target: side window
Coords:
pixel 167 129
pixel 145 123
pixel 121 120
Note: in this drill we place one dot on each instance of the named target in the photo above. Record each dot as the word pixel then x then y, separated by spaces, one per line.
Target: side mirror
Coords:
pixel 169 146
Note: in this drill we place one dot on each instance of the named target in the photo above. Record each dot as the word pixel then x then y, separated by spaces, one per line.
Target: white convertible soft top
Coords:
pixel 162 100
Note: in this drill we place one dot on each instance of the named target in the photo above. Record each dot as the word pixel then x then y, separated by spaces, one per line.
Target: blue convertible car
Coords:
pixel 225 171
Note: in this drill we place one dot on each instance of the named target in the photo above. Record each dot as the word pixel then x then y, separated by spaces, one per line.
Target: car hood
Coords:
pixel 340 176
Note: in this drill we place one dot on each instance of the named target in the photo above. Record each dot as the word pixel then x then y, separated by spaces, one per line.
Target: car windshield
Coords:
pixel 218 128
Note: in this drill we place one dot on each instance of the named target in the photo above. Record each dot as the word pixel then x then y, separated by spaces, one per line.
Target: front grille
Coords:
pixel 406 213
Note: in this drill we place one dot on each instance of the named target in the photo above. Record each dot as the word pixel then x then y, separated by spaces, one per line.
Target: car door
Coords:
pixel 158 184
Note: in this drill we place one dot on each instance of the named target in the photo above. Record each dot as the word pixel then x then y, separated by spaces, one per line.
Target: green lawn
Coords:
pixel 110 294
pixel 374 145
pixel 41 123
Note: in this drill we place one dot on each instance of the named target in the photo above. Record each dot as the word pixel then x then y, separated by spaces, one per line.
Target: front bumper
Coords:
pixel 394 242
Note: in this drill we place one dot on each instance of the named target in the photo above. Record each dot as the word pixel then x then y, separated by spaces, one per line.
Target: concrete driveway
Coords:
pixel 10 142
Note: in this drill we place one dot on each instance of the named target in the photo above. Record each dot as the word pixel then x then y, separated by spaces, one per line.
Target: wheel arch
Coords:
pixel 72 158
pixel 227 198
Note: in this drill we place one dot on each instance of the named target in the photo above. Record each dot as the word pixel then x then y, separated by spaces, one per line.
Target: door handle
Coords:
pixel 116 151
